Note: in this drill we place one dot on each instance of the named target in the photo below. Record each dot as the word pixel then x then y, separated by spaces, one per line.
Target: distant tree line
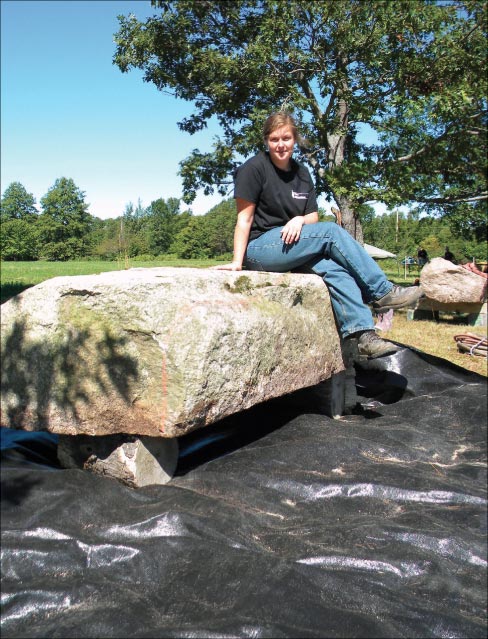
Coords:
pixel 403 233
pixel 65 230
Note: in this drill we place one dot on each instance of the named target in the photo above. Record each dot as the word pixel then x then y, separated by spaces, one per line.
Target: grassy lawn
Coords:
pixel 435 338
pixel 431 336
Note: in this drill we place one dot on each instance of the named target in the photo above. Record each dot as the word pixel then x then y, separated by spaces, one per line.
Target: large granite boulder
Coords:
pixel 448 283
pixel 160 352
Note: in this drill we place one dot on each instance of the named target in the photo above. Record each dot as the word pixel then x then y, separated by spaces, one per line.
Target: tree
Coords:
pixel 192 241
pixel 132 233
pixel 65 223
pixel 402 234
pixel 209 235
pixel 163 224
pixel 409 74
pixel 19 240
pixel 219 224
pixel 102 239
pixel 17 204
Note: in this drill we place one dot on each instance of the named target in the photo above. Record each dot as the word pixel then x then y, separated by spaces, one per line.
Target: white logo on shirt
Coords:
pixel 299 196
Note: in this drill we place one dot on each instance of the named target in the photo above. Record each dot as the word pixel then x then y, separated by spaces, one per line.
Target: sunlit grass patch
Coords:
pixel 437 338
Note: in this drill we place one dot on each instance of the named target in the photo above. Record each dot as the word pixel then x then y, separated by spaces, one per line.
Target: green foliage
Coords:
pixel 433 246
pixel 469 221
pixel 163 224
pixel 65 222
pixel 131 236
pixel 104 239
pixel 402 234
pixel 475 251
pixel 208 235
pixel 411 74
pixel 144 258
pixel 161 232
pixel 17 204
pixel 140 231
pixel 219 224
pixel 192 241
pixel 18 240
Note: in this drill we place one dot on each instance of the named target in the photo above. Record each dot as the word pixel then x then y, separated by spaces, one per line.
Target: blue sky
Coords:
pixel 67 111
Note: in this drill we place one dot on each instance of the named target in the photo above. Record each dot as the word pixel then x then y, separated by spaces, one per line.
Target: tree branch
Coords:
pixel 447 200
pixel 311 97
pixel 312 161
pixel 422 150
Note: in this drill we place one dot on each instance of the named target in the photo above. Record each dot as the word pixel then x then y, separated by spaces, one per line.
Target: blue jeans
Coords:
pixel 351 275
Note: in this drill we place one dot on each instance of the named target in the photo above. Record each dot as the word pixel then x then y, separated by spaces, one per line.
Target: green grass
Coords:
pixel 15 277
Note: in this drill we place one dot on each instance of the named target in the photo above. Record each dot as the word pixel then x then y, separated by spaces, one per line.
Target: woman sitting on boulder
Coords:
pixel 278 230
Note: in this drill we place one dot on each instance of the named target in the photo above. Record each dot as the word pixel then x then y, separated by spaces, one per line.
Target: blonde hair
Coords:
pixel 276 121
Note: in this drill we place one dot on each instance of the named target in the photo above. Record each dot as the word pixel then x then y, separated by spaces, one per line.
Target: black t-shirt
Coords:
pixel 278 195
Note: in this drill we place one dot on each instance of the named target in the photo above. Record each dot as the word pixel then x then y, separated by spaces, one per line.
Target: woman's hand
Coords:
pixel 290 233
pixel 227 267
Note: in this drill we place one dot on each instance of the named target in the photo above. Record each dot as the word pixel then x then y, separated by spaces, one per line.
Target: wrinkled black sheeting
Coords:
pixel 280 523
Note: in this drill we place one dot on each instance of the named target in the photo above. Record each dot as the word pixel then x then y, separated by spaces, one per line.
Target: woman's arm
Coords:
pixel 311 218
pixel 245 216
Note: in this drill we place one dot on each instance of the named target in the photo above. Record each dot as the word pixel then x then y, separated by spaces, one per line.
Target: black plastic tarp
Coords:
pixel 280 522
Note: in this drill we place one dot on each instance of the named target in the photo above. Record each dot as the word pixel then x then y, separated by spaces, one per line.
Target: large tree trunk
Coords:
pixel 336 143
pixel 349 219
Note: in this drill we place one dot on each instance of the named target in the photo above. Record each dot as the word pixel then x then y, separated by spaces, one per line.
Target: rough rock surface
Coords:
pixel 161 351
pixel 134 461
pixel 448 283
